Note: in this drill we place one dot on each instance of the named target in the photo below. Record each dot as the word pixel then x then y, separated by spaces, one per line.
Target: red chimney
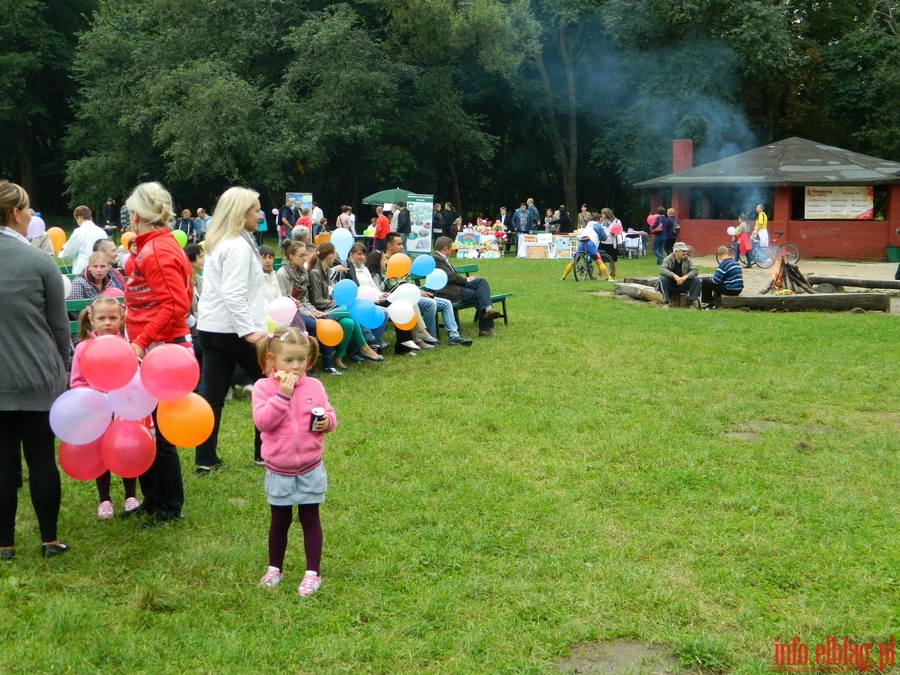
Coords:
pixel 682 154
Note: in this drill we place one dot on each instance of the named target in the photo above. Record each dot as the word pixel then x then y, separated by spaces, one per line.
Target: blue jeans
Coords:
pixel 428 308
pixel 659 244
pixel 445 307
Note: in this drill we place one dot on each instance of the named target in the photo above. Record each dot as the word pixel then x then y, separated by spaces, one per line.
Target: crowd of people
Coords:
pixel 210 296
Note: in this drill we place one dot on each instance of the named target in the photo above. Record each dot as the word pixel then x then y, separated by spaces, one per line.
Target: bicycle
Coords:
pixel 765 256
pixel 583 265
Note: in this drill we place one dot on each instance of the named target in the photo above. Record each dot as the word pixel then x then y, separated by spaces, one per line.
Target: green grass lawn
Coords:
pixel 570 481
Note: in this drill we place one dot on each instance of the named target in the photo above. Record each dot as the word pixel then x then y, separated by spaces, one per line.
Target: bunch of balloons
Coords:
pixel 106 427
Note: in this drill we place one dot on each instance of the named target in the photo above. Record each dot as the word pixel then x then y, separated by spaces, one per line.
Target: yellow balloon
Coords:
pixel 399 265
pixel 57 238
pixel 127 238
pixel 186 422
pixel 329 332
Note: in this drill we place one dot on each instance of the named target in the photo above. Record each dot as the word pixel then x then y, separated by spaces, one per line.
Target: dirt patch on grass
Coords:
pixel 742 436
pixel 618 656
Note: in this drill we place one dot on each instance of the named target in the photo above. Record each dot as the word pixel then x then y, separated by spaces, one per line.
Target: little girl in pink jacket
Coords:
pixel 292 412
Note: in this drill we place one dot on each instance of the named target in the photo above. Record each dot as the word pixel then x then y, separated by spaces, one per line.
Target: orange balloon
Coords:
pixel 408 326
pixel 57 238
pixel 127 238
pixel 399 265
pixel 186 422
pixel 329 332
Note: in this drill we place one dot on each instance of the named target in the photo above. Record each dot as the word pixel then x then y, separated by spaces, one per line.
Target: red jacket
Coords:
pixel 382 227
pixel 158 294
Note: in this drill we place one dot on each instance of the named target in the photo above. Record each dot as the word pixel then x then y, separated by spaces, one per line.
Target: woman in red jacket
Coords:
pixel 158 299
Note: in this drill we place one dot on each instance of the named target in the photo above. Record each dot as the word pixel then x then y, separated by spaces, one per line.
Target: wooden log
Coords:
pixel 638 291
pixel 879 302
pixel 849 281
pixel 643 281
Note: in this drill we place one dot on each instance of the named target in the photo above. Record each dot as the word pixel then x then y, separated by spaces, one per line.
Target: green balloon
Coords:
pixel 180 237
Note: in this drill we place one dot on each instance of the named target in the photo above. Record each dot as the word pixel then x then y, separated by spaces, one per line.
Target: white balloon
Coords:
pixel 67 286
pixel 367 293
pixel 282 310
pixel 401 312
pixel 342 239
pixel 408 293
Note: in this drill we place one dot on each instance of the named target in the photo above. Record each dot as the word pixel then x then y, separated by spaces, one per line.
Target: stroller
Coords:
pixel 635 244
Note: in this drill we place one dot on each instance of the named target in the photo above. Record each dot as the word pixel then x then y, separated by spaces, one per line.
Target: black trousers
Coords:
pixel 28 432
pixel 478 292
pixel 712 292
pixel 161 484
pixel 221 353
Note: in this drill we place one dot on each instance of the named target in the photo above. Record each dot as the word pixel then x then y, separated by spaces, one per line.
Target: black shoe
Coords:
pixel 331 371
pixel 51 550
pixel 459 340
pixel 382 346
pixel 7 554
pixel 358 358
pixel 205 470
pixel 259 462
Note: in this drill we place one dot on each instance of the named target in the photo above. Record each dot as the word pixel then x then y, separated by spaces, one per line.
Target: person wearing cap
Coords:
pixel 678 275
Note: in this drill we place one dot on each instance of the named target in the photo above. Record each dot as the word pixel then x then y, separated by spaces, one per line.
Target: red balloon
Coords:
pixel 169 372
pixel 108 362
pixel 82 462
pixel 128 448
pixel 651 219
pixel 113 292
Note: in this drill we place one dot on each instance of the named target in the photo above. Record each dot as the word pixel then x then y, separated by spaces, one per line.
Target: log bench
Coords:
pixel 879 302
pixel 840 282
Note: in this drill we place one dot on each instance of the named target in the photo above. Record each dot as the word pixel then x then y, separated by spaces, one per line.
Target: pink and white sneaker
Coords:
pixel 310 584
pixel 105 510
pixel 131 504
pixel 271 578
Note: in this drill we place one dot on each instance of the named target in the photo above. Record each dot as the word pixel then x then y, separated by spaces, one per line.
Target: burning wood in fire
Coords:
pixel 787 279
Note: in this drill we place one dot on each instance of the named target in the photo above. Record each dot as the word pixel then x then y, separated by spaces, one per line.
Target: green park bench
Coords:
pixel 469 269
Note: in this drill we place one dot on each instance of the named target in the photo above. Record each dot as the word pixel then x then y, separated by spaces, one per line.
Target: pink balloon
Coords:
pixel 108 362
pixel 615 228
pixel 128 448
pixel 113 292
pixel 282 310
pixel 730 231
pixel 80 416
pixel 651 219
pixel 367 293
pixel 170 372
pixel 82 462
pixel 133 401
pixel 274 212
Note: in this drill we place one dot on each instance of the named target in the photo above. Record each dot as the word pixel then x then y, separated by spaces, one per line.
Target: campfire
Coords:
pixel 787 279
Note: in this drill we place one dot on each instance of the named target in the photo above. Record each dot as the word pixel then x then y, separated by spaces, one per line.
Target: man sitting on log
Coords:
pixel 726 280
pixel 678 275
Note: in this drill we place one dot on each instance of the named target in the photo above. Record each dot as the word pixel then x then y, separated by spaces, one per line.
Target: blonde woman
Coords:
pixel 158 300
pixel 231 312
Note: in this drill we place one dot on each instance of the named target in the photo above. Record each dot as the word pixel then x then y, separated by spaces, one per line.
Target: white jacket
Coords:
pixel 232 299
pixel 80 245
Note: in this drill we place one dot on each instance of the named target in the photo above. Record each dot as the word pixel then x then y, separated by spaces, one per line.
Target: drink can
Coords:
pixel 316 414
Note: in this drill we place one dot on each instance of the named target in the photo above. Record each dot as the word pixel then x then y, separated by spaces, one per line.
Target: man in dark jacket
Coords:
pixel 404 224
pixel 474 291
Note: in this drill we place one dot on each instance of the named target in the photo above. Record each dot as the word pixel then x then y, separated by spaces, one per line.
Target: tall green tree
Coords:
pixel 37 42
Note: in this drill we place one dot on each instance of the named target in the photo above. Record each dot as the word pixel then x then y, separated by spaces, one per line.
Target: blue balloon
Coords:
pixel 436 280
pixel 366 314
pixel 344 292
pixel 423 265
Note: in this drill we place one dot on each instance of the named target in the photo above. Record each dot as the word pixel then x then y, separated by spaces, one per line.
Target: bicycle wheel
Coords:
pixel 791 253
pixel 765 256
pixel 609 262
pixel 581 267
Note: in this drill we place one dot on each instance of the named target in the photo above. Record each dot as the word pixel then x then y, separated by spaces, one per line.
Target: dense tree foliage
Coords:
pixel 482 102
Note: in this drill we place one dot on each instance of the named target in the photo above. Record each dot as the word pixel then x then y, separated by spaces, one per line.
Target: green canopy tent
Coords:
pixel 388 197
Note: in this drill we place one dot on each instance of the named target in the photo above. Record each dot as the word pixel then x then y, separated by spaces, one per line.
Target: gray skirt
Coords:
pixel 308 488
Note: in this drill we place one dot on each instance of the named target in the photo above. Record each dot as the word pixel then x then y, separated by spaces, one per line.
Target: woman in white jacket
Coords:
pixel 231 311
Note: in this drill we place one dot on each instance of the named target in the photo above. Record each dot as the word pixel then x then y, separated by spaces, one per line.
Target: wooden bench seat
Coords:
pixel 468 269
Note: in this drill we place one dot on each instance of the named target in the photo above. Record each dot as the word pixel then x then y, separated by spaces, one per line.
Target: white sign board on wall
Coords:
pixel 838 202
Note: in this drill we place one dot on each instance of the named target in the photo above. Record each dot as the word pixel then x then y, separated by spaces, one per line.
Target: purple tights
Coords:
pixel 282 516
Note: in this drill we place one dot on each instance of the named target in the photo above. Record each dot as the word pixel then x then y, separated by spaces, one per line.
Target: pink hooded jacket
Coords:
pixel 289 448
